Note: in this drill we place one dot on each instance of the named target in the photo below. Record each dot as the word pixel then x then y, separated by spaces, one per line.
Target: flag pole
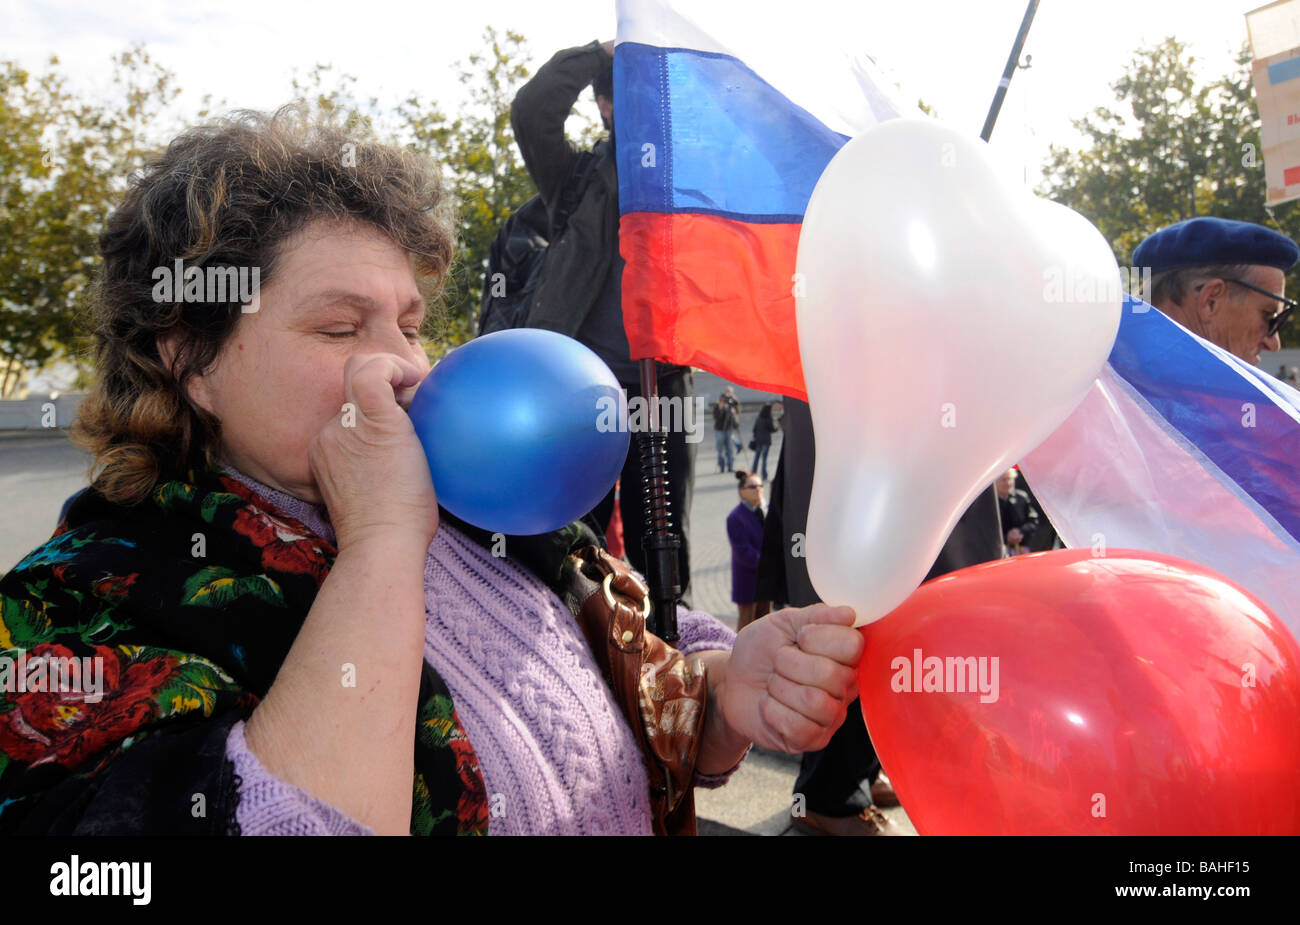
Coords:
pixel 660 541
pixel 1010 69
pixel 1013 60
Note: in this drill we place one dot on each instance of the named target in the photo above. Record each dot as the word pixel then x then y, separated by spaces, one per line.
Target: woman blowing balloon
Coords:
pixel 292 637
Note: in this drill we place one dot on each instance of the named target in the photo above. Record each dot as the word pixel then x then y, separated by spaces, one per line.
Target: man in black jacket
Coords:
pixel 579 291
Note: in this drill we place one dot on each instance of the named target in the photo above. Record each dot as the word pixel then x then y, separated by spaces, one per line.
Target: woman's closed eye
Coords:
pixel 411 334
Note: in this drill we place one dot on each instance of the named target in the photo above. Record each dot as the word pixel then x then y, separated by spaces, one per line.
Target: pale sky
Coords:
pixel 948 52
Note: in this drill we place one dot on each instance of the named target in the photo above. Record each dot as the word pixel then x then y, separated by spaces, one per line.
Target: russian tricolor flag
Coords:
pixel 716 165
pixel 1181 448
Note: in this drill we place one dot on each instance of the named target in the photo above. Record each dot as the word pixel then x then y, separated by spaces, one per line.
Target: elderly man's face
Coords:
pixel 1006 483
pixel 1240 321
pixel 339 290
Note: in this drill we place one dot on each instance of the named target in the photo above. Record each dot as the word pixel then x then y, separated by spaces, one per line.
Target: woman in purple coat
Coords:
pixel 745 530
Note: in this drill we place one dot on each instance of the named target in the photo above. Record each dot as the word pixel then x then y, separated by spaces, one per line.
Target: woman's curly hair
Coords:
pixel 227 194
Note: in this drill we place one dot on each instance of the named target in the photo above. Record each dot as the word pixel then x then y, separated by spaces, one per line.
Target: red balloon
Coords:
pixel 1067 694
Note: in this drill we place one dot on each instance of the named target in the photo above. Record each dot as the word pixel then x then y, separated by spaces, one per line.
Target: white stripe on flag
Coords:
pixel 838 85
pixel 1112 473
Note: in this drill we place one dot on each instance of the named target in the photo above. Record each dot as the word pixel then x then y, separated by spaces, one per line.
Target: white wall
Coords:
pixel 31 413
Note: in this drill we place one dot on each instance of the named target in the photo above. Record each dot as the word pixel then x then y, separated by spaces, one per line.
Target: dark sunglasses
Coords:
pixel 1280 318
pixel 1275 324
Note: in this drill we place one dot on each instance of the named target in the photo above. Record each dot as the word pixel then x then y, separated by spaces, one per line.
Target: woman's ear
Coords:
pixel 169 343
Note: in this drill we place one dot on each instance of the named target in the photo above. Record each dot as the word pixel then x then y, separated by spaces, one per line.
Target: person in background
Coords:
pixel 730 396
pixel 745 531
pixel 579 289
pixel 764 427
pixel 1019 517
pixel 724 419
pixel 1222 280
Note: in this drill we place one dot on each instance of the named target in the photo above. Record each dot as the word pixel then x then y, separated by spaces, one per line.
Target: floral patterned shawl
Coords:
pixel 192 600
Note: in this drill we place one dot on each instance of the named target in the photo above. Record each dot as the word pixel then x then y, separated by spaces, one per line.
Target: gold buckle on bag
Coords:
pixel 607 589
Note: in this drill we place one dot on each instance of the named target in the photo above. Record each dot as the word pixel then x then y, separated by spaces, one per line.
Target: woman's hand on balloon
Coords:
pixel 790 678
pixel 368 462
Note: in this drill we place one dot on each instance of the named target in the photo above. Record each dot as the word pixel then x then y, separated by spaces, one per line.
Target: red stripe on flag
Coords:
pixel 1291 176
pixel 714 293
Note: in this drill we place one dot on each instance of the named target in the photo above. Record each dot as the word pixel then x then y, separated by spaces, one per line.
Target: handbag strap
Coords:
pixel 661 693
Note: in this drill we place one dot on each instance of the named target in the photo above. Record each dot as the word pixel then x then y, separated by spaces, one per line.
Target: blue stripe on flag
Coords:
pixel 701 132
pixel 1220 404
pixel 1284 70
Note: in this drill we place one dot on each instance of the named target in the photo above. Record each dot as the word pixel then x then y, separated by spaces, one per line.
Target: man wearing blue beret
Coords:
pixel 1223 280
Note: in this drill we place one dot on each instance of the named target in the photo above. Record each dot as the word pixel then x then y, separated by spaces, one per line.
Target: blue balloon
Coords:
pixel 525 430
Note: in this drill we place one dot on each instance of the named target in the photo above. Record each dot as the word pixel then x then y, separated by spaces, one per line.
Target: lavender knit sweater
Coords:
pixel 556 755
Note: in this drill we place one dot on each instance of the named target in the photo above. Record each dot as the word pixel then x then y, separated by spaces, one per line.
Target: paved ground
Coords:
pixel 39 469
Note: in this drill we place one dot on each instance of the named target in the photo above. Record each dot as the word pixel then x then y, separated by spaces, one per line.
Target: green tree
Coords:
pixel 481 165
pixel 63 165
pixel 328 96
pixel 1171 149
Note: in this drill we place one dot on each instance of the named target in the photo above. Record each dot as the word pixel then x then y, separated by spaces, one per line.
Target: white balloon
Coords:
pixel 949 322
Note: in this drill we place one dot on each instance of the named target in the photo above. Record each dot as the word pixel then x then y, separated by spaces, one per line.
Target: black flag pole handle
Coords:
pixel 1010 69
pixel 660 542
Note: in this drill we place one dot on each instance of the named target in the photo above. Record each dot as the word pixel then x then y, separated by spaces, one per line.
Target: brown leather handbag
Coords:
pixel 662 693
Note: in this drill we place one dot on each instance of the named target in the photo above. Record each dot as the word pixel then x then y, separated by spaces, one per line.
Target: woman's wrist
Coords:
pixel 721 746
pixel 397 538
